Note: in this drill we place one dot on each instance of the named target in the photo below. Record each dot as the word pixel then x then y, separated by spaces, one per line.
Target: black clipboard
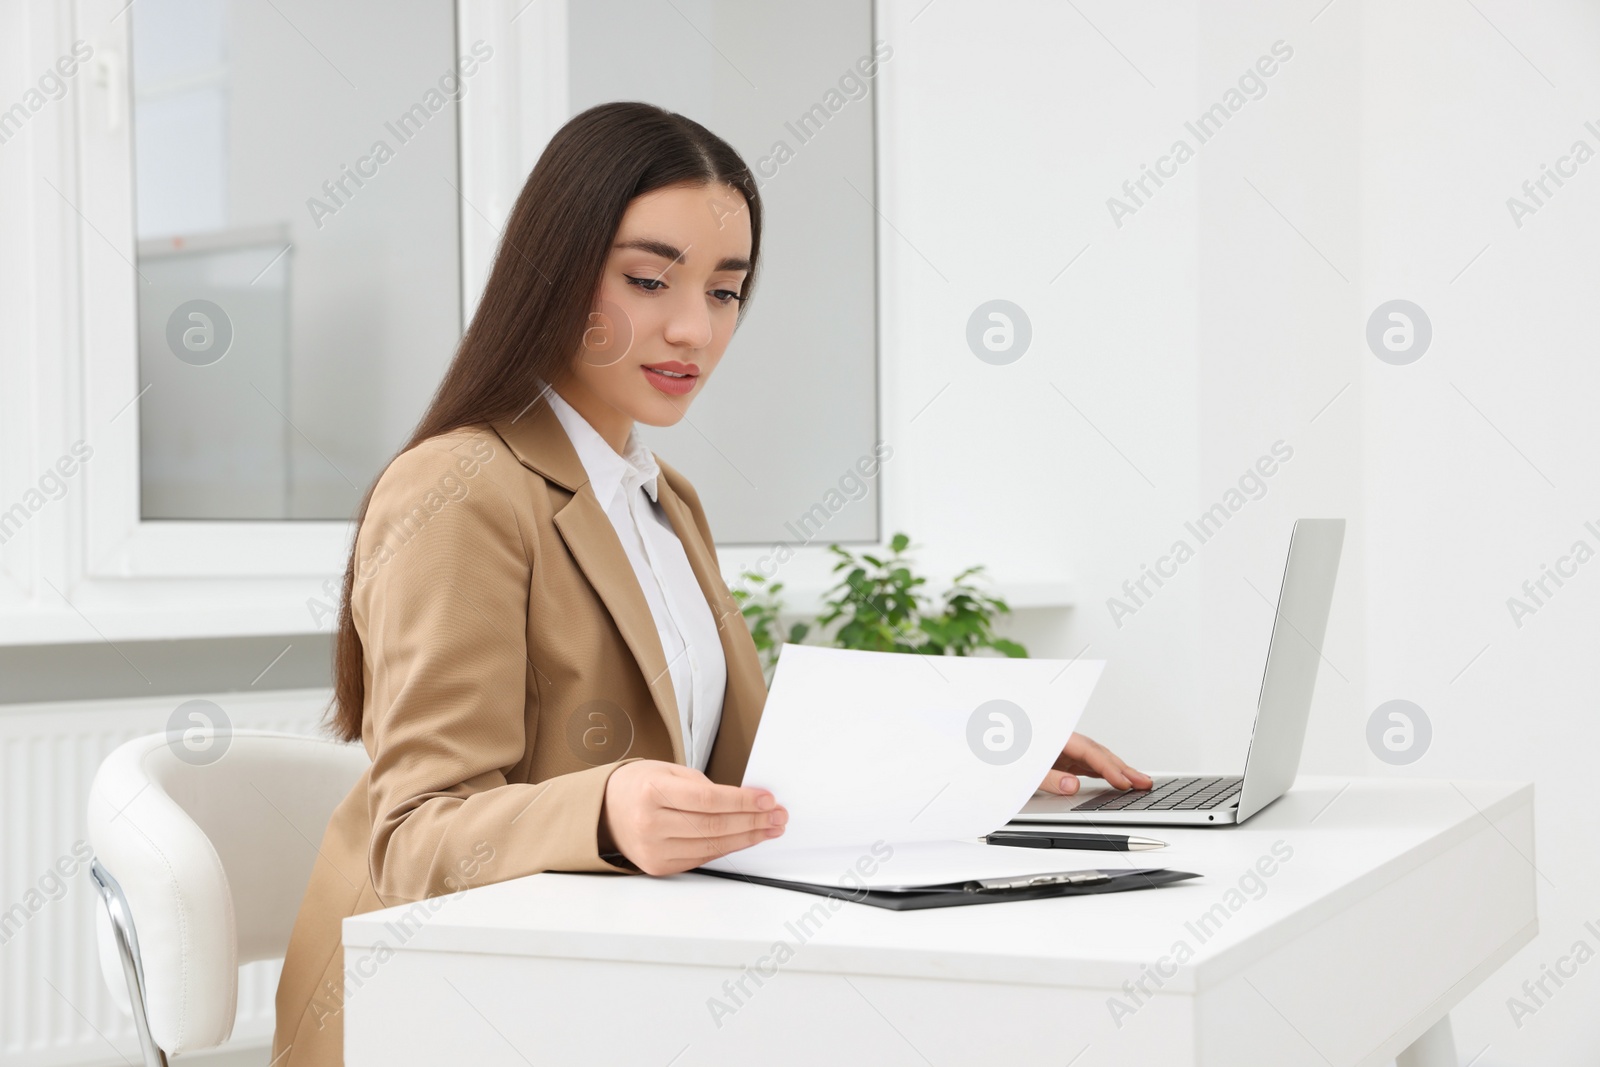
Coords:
pixel 952 895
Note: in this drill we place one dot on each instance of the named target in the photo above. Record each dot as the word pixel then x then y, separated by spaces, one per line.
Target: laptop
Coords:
pixel 1282 709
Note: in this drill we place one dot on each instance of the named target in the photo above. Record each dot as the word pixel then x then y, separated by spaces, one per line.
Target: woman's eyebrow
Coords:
pixel 667 251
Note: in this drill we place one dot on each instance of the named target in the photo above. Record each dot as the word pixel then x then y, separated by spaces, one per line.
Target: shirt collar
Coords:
pixel 607 469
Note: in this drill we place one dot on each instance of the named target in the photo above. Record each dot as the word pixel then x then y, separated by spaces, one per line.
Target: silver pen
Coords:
pixel 1055 878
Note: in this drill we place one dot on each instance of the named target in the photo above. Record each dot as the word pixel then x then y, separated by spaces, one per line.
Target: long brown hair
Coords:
pixel 530 320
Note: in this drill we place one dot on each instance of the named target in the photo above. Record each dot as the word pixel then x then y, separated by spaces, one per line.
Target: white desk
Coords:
pixel 1399 897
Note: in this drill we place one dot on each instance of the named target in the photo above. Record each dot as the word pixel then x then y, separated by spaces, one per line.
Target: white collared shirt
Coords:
pixel 625 485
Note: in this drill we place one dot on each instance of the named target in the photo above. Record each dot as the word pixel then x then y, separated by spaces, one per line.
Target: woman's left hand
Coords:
pixel 1085 756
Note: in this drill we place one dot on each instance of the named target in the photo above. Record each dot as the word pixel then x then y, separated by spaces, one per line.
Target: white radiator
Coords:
pixel 54 1006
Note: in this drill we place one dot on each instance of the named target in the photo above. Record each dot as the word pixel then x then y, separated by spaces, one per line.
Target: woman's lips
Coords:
pixel 675 367
pixel 667 383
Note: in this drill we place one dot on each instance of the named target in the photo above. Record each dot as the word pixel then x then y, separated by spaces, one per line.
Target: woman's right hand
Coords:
pixel 666 818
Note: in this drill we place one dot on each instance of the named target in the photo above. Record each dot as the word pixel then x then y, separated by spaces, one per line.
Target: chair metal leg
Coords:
pixel 116 905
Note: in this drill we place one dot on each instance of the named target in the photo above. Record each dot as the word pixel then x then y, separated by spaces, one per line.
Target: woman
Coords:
pixel 536 645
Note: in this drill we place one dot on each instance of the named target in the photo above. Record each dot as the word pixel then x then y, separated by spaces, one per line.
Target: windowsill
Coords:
pixel 149 617
pixel 806 599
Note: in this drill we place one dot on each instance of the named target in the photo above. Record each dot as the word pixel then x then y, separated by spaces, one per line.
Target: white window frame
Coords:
pixel 86 567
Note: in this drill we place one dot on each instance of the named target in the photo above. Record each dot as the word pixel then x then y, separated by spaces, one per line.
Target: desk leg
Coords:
pixel 1435 1048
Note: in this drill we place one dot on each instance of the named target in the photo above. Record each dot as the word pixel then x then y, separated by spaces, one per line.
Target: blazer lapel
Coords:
pixel 540 441
pixel 746 692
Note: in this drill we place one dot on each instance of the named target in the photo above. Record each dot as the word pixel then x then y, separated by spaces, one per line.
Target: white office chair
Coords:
pixel 201 861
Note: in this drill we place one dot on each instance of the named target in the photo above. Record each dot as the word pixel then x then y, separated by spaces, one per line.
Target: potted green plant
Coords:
pixel 879 607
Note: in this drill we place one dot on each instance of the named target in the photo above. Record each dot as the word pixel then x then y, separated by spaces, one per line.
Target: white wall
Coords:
pixel 1225 314
pixel 1001 139
pixel 1456 519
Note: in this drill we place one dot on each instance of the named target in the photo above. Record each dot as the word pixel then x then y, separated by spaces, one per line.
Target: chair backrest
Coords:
pixel 213 853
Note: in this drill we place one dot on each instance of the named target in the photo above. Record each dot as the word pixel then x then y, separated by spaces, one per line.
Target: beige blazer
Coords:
pixel 511 664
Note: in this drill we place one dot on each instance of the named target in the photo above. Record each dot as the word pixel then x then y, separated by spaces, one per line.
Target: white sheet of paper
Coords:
pixel 920 863
pixel 892 747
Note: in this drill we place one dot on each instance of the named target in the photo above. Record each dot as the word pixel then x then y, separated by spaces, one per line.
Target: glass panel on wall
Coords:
pixel 298 233
pixel 781 444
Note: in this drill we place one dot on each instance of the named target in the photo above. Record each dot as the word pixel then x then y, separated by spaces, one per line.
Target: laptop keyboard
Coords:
pixel 1170 794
